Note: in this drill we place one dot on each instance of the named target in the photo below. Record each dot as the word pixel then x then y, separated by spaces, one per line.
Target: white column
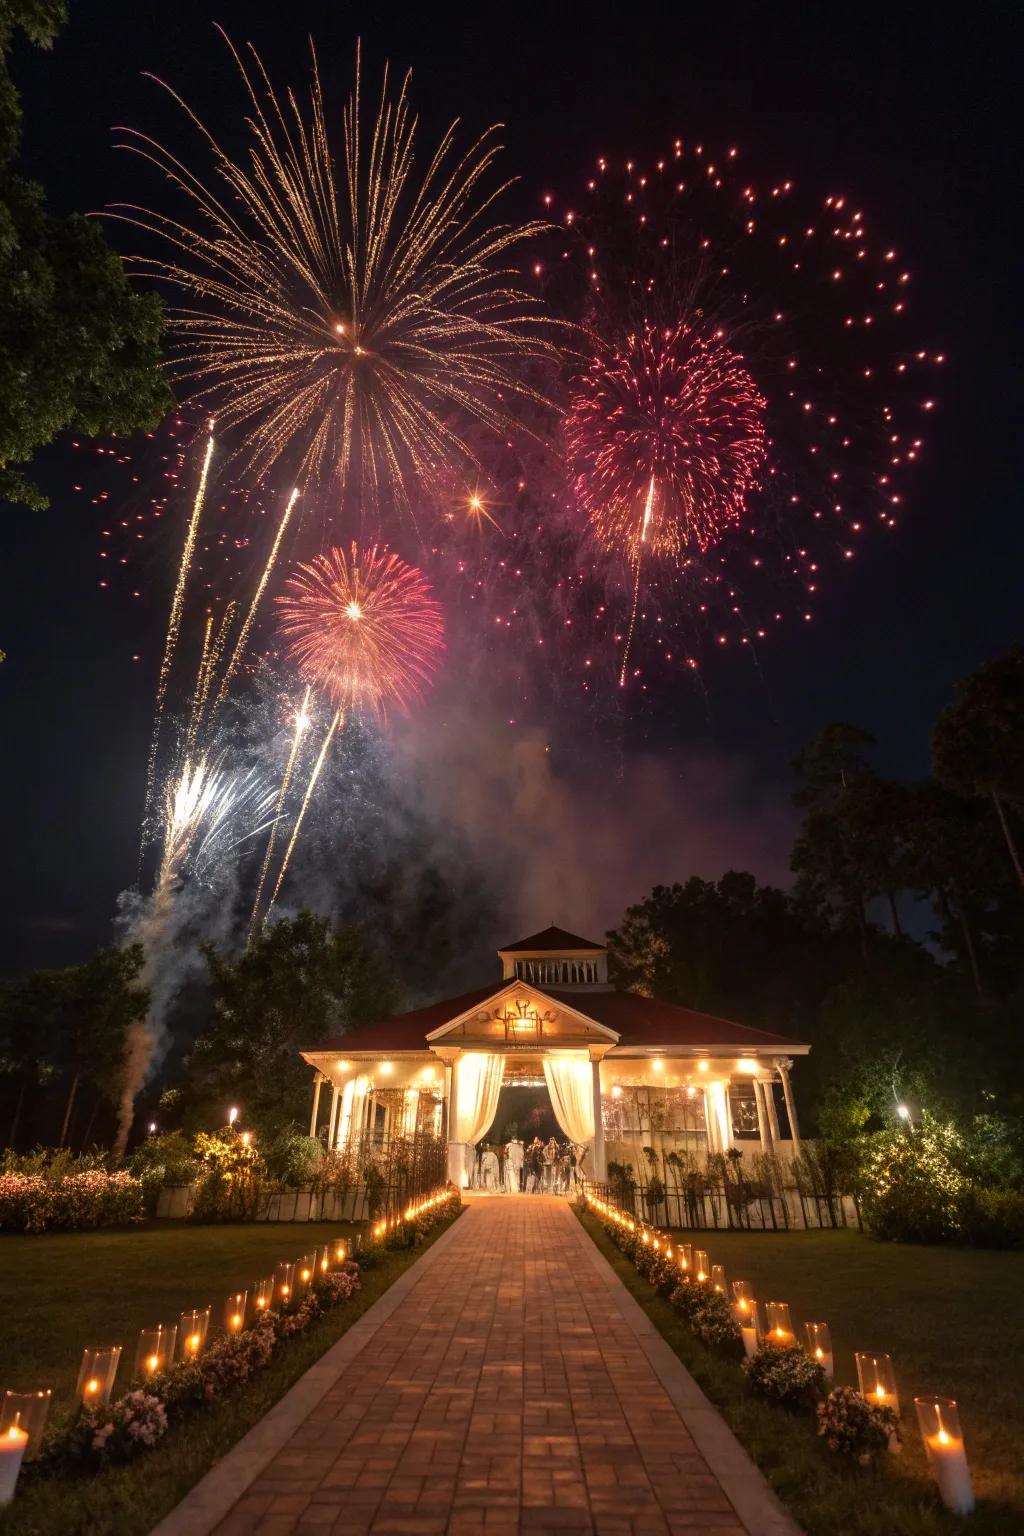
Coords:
pixel 456 1149
pixel 787 1093
pixel 317 1084
pixel 599 1172
pixel 332 1124
pixel 763 1121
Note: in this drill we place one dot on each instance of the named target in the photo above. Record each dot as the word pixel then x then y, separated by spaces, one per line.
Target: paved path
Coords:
pixel 508 1383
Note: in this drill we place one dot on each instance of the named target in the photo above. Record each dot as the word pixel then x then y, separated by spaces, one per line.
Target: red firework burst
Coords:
pixel 665 440
pixel 363 627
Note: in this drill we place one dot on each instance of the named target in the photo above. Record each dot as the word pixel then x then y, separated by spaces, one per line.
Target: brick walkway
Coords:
pixel 515 1387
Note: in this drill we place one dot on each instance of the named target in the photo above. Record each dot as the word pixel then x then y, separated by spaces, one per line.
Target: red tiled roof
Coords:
pixel 551 938
pixel 638 1021
pixel 408 1031
pixel 646 1021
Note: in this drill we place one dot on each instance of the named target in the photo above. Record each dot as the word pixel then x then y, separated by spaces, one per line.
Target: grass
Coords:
pixel 951 1320
pixel 65 1291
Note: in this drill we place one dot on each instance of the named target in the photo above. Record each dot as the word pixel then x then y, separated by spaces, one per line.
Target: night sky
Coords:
pixel 908 109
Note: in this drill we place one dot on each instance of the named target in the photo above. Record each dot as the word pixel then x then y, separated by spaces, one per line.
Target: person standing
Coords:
pixel 515 1153
pixel 550 1161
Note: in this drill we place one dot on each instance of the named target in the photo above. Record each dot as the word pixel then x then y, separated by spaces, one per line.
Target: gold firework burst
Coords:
pixel 352 323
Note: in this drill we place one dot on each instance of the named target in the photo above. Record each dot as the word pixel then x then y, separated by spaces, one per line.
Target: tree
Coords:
pixel 78 349
pixel 978 743
pixel 298 984
pixel 71 1025
pixel 831 763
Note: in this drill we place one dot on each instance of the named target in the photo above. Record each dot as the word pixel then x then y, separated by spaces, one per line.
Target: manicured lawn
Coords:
pixel 952 1321
pixel 62 1292
pixel 65 1291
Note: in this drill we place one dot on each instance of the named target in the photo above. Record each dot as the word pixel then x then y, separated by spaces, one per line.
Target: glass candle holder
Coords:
pixel 684 1253
pixel 13 1445
pixel 939 1423
pixel 154 1351
pixel 235 1308
pixel 876 1380
pixel 323 1262
pixel 780 1328
pixel 96 1374
pixel 28 1411
pixel 742 1290
pixel 701 1265
pixel 263 1294
pixel 192 1331
pixel 284 1284
pixel 305 1273
pixel 718 1280
pixel 339 1250
pixel 819 1346
pixel 748 1315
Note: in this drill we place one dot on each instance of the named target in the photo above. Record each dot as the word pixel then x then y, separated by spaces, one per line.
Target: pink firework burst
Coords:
pixel 665 440
pixel 363 627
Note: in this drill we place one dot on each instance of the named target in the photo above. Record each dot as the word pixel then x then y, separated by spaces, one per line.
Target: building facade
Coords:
pixel 623 1071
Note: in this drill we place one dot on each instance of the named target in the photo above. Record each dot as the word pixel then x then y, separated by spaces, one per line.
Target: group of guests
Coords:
pixel 551 1167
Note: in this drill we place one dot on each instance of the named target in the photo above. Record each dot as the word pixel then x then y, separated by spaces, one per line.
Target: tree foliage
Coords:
pixel 300 983
pixel 78 349
pixel 67 1028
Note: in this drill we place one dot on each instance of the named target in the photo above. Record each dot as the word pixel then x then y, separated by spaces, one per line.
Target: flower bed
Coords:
pixel 55 1200
pixel 847 1422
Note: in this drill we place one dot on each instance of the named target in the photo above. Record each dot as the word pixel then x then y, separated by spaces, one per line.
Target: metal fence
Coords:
pixel 736 1190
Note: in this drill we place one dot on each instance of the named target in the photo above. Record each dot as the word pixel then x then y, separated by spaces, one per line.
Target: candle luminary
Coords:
pixel 780 1328
pixel 155 1350
pixel 939 1423
pixel 28 1411
pixel 685 1253
pixel 96 1374
pixel 192 1330
pixel 701 1265
pixel 234 1311
pixel 284 1284
pixel 748 1315
pixel 263 1294
pixel 718 1281
pixel 877 1380
pixel 819 1346
pixel 13 1444
pixel 305 1273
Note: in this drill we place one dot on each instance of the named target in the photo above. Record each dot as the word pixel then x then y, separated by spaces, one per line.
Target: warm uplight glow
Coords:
pixel 232 1116
pixel 616 1092
pixel 92 1386
pixel 153 1362
pixel 746 1064
pixel 702 1066
pixel 657 1065
pixel 387 1067
pixel 343 1066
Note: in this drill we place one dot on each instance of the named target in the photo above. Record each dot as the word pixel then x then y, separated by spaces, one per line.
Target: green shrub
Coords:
pixel 911 1184
pixel 712 1320
pixel 786 1375
pixel 851 1426
pixel 992 1218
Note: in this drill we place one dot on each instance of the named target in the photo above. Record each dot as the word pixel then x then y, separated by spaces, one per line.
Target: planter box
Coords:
pixel 174 1201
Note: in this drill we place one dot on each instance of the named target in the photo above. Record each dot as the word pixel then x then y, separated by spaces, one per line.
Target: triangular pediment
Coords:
pixel 521 1016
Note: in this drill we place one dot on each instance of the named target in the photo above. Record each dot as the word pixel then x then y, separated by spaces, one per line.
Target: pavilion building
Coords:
pixel 622 1070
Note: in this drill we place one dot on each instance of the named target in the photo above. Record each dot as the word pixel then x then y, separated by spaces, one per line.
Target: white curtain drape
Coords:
pixel 410 1110
pixel 479 1077
pixel 718 1116
pixel 353 1109
pixel 570 1081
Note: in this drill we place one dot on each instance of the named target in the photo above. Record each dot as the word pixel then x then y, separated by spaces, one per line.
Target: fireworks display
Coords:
pixel 653 420
pixel 344 324
pixel 363 627
pixel 665 441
